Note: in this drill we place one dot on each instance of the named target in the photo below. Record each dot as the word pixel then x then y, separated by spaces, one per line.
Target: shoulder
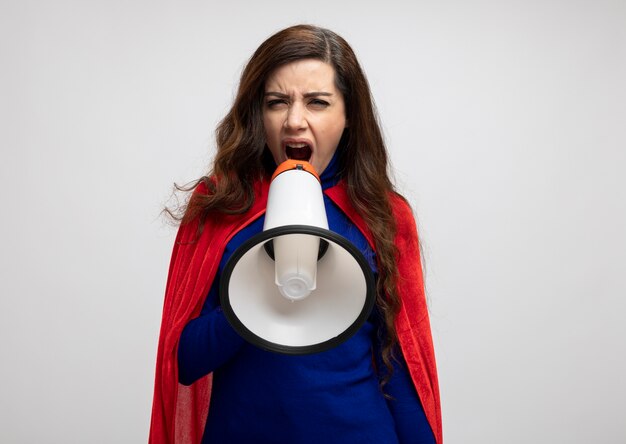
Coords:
pixel 206 185
pixel 399 204
pixel 212 203
pixel 403 214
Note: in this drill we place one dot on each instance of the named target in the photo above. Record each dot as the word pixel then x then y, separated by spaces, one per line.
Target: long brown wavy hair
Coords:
pixel 242 157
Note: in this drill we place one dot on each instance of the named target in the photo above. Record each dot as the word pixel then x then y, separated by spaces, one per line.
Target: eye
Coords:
pixel 319 103
pixel 275 103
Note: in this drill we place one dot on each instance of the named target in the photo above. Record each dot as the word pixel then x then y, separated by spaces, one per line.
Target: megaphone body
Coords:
pixel 296 287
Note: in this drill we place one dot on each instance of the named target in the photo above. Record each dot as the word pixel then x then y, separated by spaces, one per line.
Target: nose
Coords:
pixel 295 119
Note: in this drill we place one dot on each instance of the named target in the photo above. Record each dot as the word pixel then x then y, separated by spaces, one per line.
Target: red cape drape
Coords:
pixel 179 412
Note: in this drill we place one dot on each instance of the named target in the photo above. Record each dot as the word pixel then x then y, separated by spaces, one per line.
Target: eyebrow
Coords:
pixel 306 95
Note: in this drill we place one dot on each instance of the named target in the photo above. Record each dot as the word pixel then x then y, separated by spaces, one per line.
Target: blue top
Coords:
pixel 328 397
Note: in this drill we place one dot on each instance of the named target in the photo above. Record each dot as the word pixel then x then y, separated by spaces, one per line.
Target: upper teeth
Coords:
pixel 297 145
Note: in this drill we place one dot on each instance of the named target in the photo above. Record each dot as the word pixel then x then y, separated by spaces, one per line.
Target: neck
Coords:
pixel 330 176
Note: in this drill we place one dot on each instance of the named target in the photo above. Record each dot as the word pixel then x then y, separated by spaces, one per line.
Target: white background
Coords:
pixel 506 125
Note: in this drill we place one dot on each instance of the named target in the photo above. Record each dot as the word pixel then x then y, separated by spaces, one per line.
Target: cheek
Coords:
pixel 272 130
pixel 334 135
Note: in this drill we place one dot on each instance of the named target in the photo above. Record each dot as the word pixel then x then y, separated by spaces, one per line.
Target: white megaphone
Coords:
pixel 297 287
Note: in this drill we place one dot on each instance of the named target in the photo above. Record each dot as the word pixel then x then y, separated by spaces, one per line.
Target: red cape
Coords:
pixel 179 412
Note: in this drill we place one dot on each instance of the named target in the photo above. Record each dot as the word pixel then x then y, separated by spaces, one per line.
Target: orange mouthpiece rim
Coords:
pixel 293 164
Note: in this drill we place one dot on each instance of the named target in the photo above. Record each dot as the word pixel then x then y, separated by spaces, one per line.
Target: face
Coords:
pixel 303 113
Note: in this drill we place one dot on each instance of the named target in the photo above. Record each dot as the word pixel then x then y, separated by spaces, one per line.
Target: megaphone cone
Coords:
pixel 296 287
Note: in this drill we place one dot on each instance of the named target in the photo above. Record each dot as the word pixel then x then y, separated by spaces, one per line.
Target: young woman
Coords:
pixel 302 95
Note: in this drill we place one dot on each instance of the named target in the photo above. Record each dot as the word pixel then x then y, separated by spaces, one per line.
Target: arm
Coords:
pixel 207 342
pixel 411 424
pixel 412 427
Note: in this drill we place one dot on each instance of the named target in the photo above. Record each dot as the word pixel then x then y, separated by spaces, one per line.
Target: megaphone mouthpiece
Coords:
pixel 294 164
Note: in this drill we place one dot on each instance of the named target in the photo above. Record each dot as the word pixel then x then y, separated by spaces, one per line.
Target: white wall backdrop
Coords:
pixel 506 125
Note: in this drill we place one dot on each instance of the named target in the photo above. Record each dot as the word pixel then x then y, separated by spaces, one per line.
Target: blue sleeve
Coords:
pixel 207 342
pixel 412 426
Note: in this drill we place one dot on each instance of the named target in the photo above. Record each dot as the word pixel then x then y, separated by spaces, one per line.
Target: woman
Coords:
pixel 302 95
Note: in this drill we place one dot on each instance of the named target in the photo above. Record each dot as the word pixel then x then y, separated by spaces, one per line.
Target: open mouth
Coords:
pixel 300 151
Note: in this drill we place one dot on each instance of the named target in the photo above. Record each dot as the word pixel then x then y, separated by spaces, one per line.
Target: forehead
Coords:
pixel 302 75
